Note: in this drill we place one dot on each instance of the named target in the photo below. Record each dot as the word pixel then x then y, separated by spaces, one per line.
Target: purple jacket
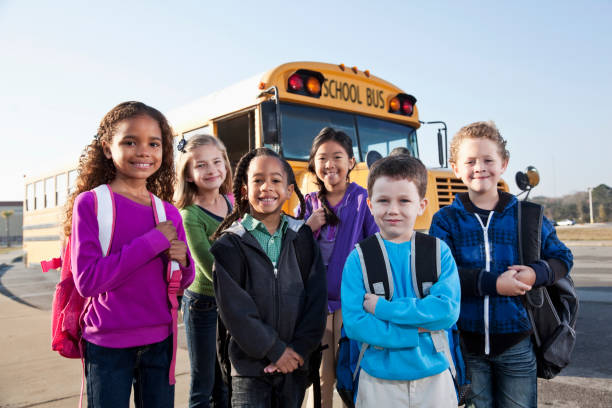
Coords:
pixel 129 305
pixel 356 223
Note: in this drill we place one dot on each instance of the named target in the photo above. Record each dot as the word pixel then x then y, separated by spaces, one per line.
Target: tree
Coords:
pixel 603 215
pixel 6 215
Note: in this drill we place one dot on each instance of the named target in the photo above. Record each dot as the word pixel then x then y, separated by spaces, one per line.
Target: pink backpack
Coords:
pixel 69 306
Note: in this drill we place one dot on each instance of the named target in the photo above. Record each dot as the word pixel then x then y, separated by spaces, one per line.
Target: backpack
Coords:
pixel 552 310
pixel 69 307
pixel 303 250
pixel 425 267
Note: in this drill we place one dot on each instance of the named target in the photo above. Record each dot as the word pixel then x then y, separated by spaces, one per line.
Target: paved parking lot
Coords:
pixel 31 375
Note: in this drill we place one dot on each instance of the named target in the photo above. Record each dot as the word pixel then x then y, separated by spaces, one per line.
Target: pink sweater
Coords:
pixel 128 287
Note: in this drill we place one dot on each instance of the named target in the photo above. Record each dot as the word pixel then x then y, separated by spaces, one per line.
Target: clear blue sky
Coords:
pixel 540 70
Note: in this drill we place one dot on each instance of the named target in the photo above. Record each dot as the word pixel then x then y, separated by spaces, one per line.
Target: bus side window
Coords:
pixel 238 135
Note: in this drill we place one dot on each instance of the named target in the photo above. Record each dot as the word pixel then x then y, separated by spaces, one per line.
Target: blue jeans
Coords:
pixel 200 317
pixel 110 373
pixel 506 380
pixel 276 390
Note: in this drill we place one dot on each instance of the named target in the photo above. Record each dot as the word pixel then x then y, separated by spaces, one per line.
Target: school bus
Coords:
pixel 286 107
pixel 283 109
pixel 43 211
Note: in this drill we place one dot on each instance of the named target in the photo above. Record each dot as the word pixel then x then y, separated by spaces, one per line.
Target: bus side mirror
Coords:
pixel 440 149
pixel 528 179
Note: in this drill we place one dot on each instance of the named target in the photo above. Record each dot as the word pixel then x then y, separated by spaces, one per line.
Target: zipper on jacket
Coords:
pixel 485 231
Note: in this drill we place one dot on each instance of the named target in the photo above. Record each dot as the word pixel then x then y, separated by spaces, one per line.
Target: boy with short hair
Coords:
pixel 480 227
pixel 402 365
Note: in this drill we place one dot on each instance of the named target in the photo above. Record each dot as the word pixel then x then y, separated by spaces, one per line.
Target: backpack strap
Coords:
pixel 529 219
pixel 424 263
pixel 372 254
pixel 529 223
pixel 426 269
pixel 173 277
pixel 105 212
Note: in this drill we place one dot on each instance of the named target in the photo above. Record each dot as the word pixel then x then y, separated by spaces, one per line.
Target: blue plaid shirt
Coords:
pixel 461 230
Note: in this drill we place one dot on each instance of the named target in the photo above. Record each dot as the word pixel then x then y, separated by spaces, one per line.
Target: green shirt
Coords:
pixel 199 226
pixel 271 244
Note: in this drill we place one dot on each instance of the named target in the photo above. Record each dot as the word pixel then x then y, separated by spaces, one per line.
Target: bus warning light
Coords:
pixel 313 86
pixel 367 73
pixel 354 69
pixel 341 66
pixel 402 104
pixel 407 107
pixel 394 105
pixel 296 83
pixel 262 85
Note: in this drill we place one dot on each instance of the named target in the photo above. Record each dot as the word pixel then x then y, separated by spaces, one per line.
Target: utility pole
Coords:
pixel 590 190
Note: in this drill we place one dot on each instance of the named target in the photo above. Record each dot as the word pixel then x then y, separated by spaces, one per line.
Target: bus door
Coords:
pixel 237 132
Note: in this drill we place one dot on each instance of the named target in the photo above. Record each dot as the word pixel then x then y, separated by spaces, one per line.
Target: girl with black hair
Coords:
pixel 339 216
pixel 274 311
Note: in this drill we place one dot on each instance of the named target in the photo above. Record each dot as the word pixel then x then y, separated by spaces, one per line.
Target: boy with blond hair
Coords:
pixel 402 365
pixel 480 227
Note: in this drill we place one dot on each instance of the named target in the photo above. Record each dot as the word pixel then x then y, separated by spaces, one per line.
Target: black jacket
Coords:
pixel 265 313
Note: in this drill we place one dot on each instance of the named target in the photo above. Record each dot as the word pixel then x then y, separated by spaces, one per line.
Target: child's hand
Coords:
pixel 369 302
pixel 316 219
pixel 271 369
pixel 525 274
pixel 167 228
pixel 288 361
pixel 508 285
pixel 178 251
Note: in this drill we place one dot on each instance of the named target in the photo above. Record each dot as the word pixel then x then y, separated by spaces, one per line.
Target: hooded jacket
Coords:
pixel 268 309
pixel 483 251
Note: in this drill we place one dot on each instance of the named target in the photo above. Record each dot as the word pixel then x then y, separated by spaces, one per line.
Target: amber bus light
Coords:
pixel 313 86
pixel 394 105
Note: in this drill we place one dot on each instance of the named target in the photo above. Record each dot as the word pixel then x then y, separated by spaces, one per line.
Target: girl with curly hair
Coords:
pixel 127 325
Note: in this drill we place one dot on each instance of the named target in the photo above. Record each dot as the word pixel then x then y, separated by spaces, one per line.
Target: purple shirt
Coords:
pixel 129 294
pixel 356 223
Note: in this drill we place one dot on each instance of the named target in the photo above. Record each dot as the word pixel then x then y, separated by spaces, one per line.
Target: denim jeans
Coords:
pixel 506 380
pixel 110 373
pixel 200 317
pixel 277 390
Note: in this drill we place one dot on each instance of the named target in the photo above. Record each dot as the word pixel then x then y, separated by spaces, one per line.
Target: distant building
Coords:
pixel 15 223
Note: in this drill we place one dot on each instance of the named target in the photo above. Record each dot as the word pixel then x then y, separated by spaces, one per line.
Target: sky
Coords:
pixel 540 70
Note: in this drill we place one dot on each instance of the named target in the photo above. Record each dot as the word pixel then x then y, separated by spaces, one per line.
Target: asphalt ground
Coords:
pixel 31 375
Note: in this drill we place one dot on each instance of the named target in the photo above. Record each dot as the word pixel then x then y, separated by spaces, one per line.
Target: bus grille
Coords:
pixel 448 187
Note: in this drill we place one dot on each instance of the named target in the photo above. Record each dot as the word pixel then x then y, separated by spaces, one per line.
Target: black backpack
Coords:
pixel 553 309
pixel 305 255
pixel 425 267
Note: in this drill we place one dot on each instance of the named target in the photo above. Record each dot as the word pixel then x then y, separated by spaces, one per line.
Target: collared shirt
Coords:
pixel 271 244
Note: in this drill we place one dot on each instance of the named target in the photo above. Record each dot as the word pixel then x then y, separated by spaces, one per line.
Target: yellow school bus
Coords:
pixel 286 107
pixel 43 211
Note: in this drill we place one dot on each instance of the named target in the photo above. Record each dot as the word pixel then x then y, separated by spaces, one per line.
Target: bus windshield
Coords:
pixel 300 124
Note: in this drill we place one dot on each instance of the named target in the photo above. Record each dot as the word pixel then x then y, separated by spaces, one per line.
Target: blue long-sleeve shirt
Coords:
pixel 400 352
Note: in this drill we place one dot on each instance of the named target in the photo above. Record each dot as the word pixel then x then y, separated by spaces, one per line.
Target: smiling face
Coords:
pixel 332 164
pixel 206 168
pixel 267 187
pixel 479 165
pixel 395 204
pixel 136 148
